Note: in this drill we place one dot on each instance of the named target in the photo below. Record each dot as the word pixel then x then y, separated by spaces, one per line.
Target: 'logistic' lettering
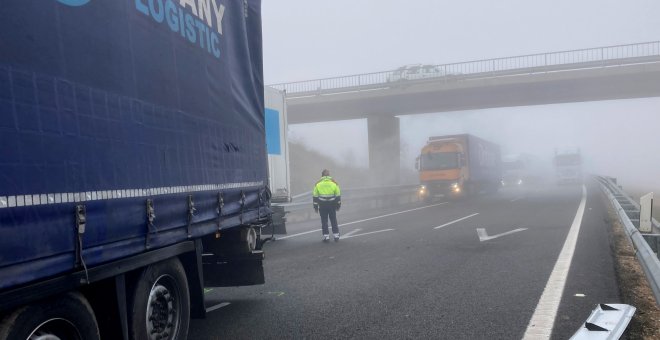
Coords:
pixel 199 21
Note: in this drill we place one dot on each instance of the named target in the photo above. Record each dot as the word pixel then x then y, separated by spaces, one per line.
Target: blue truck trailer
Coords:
pixel 133 163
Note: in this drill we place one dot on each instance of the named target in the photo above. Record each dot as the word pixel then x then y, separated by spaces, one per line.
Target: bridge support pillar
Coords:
pixel 384 149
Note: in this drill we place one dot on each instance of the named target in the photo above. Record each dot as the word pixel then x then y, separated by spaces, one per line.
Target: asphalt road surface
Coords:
pixel 423 271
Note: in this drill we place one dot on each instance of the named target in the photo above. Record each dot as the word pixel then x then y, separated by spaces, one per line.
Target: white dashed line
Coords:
pixel 218 306
pixel 392 214
pixel 369 233
pixel 454 221
pixel 351 232
pixel 364 220
pixel 298 234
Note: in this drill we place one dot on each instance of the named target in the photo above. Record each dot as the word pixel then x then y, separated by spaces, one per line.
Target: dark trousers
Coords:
pixel 328 211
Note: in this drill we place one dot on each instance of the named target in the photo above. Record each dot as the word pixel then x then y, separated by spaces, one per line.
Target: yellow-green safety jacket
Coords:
pixel 326 192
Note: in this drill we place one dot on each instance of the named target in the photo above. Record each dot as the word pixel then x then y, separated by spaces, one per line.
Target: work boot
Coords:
pixel 326 237
pixel 337 237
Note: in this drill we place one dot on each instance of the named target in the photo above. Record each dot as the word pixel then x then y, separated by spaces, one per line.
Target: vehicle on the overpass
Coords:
pixel 568 166
pixel 415 72
pixel 458 165
pixel 137 174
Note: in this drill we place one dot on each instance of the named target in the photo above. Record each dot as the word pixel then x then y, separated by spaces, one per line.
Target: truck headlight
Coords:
pixel 422 189
pixel 455 187
pixel 519 181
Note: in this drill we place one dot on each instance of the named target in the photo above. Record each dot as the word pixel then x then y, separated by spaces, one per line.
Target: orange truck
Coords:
pixel 458 165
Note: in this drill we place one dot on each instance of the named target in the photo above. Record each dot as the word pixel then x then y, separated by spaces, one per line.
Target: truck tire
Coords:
pixel 66 317
pixel 159 307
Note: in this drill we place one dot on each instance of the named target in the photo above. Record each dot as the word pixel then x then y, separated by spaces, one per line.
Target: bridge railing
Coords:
pixel 533 63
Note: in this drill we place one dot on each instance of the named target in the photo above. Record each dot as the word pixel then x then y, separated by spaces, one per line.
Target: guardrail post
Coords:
pixel 646 213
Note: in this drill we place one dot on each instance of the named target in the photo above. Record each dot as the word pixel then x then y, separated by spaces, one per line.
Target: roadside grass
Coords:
pixel 634 289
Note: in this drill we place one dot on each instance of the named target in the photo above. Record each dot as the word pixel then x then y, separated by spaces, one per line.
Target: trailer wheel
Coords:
pixel 67 317
pixel 160 303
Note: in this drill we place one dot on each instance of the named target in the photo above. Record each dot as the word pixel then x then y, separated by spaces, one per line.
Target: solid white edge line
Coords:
pixel 298 234
pixel 454 221
pixel 218 306
pixel 543 319
pixel 369 233
pixel 364 220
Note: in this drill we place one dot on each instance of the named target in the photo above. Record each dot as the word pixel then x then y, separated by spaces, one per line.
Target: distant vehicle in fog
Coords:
pixel 521 170
pixel 416 72
pixel 568 166
pixel 457 165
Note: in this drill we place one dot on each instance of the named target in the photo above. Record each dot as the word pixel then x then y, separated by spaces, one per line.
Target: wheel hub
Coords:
pixel 162 306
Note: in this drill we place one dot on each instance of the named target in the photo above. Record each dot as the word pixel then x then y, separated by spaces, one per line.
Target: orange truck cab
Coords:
pixel 458 165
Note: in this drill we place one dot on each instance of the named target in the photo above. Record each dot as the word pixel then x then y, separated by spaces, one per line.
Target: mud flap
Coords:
pixel 239 270
pixel 279 221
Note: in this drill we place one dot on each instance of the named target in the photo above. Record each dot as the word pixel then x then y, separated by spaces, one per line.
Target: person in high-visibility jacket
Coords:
pixel 327 201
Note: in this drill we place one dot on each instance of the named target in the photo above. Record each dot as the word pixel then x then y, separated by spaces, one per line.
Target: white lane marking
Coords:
pixel 369 233
pixel 517 199
pixel 298 234
pixel 483 236
pixel 364 220
pixel 218 306
pixel 392 214
pixel 540 325
pixel 454 221
pixel 352 232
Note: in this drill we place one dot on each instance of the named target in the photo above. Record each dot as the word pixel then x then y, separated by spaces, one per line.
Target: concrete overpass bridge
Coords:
pixel 603 73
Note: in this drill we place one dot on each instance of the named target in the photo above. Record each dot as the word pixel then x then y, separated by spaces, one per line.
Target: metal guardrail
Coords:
pixel 525 64
pixel 364 198
pixel 627 209
pixel 305 199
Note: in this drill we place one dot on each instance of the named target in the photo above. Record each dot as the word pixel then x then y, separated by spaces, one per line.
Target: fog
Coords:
pixel 316 39
pixel 310 40
pixel 616 138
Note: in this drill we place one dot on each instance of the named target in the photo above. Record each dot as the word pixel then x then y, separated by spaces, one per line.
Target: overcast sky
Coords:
pixel 306 39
